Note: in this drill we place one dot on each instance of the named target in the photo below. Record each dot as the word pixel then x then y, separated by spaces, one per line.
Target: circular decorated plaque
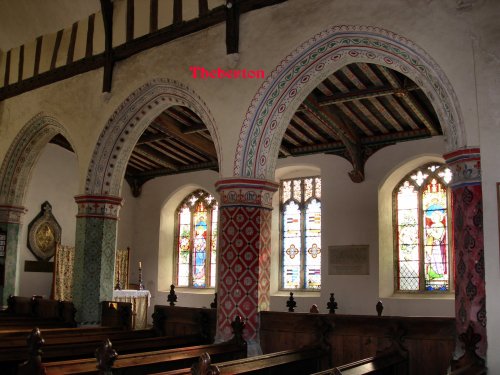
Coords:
pixel 44 232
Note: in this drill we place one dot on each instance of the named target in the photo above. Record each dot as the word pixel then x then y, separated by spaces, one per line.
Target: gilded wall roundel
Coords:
pixel 44 232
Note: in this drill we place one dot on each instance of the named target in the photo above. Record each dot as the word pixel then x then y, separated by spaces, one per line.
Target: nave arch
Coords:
pixel 128 122
pixel 303 69
pixel 15 173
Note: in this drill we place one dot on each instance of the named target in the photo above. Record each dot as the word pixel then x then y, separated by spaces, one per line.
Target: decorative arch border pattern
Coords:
pixel 128 122
pixel 22 155
pixel 296 76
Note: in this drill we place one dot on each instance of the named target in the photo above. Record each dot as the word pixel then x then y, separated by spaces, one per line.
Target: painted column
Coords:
pixel 244 254
pixel 95 245
pixel 468 239
pixel 10 222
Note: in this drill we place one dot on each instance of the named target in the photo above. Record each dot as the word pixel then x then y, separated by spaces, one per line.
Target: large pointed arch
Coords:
pixel 22 156
pixel 300 72
pixel 128 122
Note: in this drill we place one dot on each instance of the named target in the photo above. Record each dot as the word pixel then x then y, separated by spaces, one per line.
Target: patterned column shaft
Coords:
pixel 95 245
pixel 468 240
pixel 245 249
pixel 10 222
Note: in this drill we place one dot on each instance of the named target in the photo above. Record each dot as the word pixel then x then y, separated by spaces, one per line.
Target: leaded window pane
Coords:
pixel 301 233
pixel 422 251
pixel 197 240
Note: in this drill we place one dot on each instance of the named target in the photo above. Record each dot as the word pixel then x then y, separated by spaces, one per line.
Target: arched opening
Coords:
pixel 39 159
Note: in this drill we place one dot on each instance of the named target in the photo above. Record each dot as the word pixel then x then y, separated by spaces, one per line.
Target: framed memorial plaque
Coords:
pixel 348 260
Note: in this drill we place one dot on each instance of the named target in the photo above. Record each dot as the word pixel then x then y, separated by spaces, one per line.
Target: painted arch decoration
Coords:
pixel 23 154
pixel 128 122
pixel 300 72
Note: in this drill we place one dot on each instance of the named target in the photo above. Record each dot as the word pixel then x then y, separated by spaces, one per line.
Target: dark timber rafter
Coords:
pixel 171 127
pixel 407 97
pixel 109 61
pixel 232 26
pixel 344 133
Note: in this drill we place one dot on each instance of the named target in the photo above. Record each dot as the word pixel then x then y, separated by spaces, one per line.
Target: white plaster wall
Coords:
pixel 153 242
pixel 54 179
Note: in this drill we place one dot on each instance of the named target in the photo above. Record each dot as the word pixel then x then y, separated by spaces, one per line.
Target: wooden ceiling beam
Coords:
pixel 361 94
pixel 344 133
pixel 171 154
pixel 168 125
pixel 148 138
pixel 360 106
pixel 408 98
pixel 155 158
pixel 195 129
pixel 213 165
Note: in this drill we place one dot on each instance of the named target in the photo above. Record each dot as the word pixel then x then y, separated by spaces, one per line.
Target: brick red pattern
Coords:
pixel 244 251
pixel 470 299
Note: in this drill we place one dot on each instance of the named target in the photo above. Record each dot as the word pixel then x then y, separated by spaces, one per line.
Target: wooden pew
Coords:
pixel 27 312
pixel 290 362
pixel 141 363
pixel 388 364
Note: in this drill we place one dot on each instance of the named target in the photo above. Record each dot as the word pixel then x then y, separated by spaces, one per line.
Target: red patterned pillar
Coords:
pixel 468 239
pixel 245 250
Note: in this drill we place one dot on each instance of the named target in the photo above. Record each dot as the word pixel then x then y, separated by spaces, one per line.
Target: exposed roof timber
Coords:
pixel 362 94
pixel 148 138
pixel 165 152
pixel 195 129
pixel 344 133
pixel 309 129
pixel 410 101
pixel 373 100
pixel 360 106
pixel 168 125
pixel 285 151
pixel 154 157
pixel 183 169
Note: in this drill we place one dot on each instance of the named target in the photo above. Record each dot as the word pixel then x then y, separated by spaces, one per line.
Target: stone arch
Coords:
pixel 128 122
pixel 300 72
pixel 22 155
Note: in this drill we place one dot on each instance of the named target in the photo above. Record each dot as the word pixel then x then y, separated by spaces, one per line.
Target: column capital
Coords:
pixel 98 206
pixel 11 214
pixel 241 191
pixel 465 165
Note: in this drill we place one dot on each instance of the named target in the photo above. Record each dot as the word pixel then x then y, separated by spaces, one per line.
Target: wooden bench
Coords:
pixel 27 312
pixel 290 362
pixel 141 363
pixel 388 364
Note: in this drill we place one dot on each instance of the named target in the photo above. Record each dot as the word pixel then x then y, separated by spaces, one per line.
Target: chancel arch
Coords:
pixel 15 174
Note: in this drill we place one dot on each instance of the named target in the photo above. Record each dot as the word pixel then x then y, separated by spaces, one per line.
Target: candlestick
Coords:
pixel 141 285
pixel 140 265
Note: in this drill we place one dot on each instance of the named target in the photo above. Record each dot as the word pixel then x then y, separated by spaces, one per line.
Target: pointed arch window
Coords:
pixel 300 212
pixel 422 247
pixel 196 241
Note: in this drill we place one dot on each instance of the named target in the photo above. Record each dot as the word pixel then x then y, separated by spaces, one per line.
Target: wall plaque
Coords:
pixel 44 232
pixel 348 260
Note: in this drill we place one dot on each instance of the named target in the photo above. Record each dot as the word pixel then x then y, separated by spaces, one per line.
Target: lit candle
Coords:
pixel 140 265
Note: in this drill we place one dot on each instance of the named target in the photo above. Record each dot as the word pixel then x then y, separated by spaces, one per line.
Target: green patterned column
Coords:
pixel 95 246
pixel 10 222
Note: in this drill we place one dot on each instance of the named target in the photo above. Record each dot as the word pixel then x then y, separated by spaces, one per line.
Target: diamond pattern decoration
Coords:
pixel 244 267
pixel 468 242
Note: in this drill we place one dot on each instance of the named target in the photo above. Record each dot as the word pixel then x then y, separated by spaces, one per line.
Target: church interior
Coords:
pixel 299 178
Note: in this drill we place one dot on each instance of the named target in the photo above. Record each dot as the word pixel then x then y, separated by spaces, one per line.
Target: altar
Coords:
pixel 140 300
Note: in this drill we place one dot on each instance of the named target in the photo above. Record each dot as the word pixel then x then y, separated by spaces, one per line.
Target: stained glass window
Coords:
pixel 421 237
pixel 300 209
pixel 196 240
